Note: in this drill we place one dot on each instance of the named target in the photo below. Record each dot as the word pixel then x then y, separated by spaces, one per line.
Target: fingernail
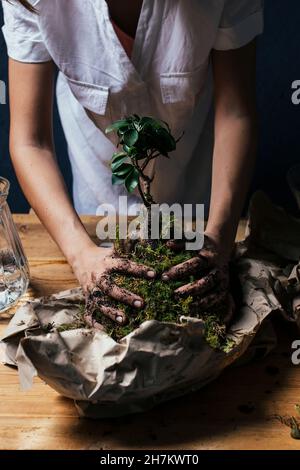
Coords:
pixel 137 303
pixel 151 274
pixel 165 277
pixel 119 319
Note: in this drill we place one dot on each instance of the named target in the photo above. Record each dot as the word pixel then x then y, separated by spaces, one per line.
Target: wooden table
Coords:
pixel 234 412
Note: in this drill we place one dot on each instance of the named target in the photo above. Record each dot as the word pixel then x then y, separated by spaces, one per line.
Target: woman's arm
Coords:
pixel 233 162
pixel 33 156
pixel 32 153
pixel 235 141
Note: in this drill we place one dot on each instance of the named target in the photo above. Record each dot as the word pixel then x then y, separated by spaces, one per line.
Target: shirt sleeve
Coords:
pixel 241 22
pixel 22 34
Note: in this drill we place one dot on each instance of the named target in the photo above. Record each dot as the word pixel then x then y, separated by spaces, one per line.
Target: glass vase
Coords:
pixel 14 270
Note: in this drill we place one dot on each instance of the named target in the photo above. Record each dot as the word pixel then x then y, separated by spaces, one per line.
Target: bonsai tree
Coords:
pixel 143 139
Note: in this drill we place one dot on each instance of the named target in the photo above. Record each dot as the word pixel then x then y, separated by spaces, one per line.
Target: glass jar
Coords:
pixel 14 270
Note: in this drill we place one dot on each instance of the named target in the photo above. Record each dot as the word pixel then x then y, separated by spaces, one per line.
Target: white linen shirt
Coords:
pixel 168 76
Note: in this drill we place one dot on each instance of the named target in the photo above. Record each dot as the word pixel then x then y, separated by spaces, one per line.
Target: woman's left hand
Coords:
pixel 211 290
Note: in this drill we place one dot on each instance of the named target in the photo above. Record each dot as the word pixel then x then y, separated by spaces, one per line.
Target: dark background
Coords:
pixel 278 65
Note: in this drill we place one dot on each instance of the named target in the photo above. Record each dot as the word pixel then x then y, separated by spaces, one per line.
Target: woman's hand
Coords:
pixel 212 289
pixel 93 267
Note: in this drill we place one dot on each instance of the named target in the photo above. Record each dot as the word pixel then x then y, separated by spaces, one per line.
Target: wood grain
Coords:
pixel 235 412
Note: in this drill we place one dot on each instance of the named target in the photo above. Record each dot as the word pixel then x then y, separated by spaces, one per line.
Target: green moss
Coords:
pixel 160 302
pixel 78 321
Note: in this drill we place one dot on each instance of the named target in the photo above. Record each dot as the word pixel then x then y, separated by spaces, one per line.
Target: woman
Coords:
pixel 191 63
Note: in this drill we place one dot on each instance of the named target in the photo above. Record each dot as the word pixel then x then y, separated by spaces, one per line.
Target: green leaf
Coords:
pixel 165 141
pixel 123 170
pixel 146 120
pixel 117 159
pixel 115 126
pixel 115 180
pixel 137 126
pixel 155 124
pixel 132 180
pixel 116 163
pixel 117 155
pixel 167 126
pixel 126 149
pixel 141 138
pixel 130 137
pixel 129 150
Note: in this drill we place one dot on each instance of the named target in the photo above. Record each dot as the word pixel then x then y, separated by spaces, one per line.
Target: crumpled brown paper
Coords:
pixel 154 363
pixel 158 361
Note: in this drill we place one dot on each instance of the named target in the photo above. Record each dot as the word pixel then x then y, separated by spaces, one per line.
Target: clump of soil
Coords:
pixel 291 422
pixel 160 301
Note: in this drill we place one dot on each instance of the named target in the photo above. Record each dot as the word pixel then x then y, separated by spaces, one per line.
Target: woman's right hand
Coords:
pixel 93 267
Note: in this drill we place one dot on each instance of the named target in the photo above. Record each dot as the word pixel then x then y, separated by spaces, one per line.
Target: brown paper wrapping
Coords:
pixel 158 361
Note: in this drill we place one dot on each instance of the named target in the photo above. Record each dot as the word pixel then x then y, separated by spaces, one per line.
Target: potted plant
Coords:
pixel 143 139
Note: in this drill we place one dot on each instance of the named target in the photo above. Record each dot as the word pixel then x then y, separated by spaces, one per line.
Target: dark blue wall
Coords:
pixel 279 147
pixel 278 67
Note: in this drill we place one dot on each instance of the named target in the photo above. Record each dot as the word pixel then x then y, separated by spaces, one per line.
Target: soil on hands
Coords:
pixel 160 301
